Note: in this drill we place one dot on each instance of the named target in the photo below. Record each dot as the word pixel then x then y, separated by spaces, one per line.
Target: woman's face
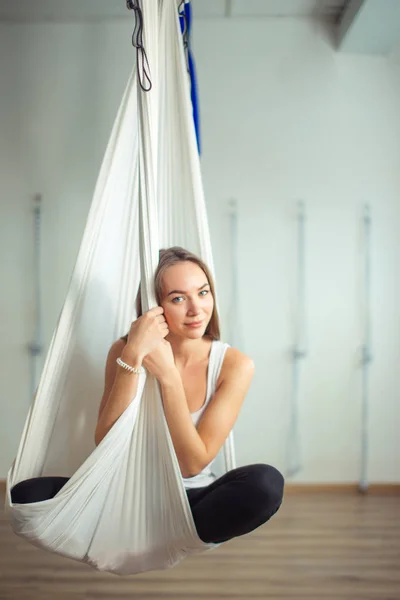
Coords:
pixel 187 299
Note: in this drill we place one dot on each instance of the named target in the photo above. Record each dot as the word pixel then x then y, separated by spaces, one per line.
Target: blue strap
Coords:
pixel 185 17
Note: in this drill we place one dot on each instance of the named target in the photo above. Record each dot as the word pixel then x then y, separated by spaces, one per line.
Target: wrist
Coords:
pixel 133 359
pixel 170 378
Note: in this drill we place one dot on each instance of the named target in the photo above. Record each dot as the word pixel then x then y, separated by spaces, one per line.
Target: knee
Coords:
pixel 269 483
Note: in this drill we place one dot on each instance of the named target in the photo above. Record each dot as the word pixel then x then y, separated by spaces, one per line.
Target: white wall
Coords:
pixel 283 117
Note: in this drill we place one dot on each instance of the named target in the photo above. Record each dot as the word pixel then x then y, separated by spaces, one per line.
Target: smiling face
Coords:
pixel 187 300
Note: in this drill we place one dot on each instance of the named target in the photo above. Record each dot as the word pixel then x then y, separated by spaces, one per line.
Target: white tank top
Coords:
pixel 216 358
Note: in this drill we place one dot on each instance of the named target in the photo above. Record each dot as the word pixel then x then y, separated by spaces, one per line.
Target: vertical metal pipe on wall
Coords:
pixel 298 351
pixel 36 346
pixel 366 351
pixel 234 320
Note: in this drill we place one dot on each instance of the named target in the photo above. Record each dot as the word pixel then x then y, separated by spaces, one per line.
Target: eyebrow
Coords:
pixel 182 292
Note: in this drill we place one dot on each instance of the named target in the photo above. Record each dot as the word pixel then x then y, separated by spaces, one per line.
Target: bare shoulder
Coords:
pixel 114 353
pixel 235 358
pixel 116 349
pixel 236 364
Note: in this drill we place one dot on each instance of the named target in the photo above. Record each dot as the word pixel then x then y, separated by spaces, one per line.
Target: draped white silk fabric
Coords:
pixel 124 508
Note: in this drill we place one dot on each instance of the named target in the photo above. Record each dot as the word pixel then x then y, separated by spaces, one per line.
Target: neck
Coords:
pixel 188 352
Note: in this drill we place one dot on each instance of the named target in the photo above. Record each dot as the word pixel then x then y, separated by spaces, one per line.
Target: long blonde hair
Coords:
pixel 168 258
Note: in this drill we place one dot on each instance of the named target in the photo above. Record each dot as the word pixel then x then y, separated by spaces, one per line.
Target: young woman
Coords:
pixel 203 384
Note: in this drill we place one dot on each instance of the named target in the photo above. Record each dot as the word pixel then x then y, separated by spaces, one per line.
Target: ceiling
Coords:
pixel 328 9
pixel 361 26
pixel 99 10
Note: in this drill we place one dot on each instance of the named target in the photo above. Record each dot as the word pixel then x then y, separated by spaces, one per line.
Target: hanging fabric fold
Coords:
pixel 124 508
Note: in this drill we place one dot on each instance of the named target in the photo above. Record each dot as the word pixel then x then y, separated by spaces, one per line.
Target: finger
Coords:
pixel 153 313
pixel 160 319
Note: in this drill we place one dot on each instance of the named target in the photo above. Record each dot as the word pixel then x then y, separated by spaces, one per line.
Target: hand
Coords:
pixel 145 334
pixel 160 362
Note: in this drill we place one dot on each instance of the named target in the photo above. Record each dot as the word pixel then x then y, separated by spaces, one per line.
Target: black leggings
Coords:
pixel 235 504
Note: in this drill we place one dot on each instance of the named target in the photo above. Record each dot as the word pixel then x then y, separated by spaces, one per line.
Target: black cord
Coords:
pixel 137 42
pixel 185 32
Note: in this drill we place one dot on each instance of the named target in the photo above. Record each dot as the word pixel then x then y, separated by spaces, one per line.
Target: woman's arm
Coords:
pixel 195 448
pixel 120 388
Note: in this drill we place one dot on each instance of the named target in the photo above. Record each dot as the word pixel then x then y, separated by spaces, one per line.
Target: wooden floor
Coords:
pixel 319 546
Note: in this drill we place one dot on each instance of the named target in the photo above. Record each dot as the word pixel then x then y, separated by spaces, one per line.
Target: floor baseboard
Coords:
pixel 342 488
pixel 321 488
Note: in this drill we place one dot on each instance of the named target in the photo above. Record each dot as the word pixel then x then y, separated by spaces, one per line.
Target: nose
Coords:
pixel 193 308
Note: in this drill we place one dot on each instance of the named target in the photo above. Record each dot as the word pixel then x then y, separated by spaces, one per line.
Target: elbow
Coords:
pixel 188 473
pixel 193 467
pixel 102 428
pixel 98 435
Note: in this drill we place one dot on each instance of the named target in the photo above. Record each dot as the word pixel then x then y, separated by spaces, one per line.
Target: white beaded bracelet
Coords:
pixel 129 368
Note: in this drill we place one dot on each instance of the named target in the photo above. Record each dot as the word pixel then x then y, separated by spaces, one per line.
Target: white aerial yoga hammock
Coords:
pixel 124 508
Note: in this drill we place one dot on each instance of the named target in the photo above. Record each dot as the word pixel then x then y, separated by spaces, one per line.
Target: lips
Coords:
pixel 194 324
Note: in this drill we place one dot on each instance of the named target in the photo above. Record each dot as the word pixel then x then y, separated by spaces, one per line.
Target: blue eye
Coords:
pixel 205 292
